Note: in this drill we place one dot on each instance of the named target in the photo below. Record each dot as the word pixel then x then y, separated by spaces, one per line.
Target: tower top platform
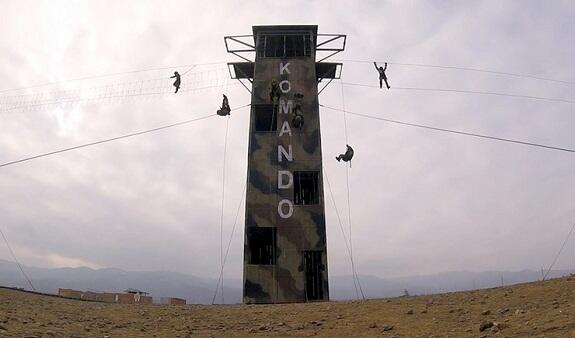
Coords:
pixel 295 29
pixel 285 41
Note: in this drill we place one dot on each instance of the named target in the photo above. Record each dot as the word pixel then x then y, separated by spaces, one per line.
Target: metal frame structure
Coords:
pixel 332 38
pixel 233 76
pixel 239 45
pixel 238 40
pixel 327 45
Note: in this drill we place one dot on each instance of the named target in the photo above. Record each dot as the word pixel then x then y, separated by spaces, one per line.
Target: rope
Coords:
pixel 122 94
pixel 229 243
pixel 456 131
pixel 16 260
pixel 347 183
pixel 223 199
pixel 468 92
pixel 186 72
pixel 111 139
pixel 162 79
pixel 353 270
pixel 559 252
pixel 111 74
pixel 223 204
pixel 344 112
pixel 469 69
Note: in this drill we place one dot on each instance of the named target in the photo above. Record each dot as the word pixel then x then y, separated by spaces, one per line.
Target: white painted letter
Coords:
pixel 286 106
pixel 285 129
pixel 284 67
pixel 290 208
pixel 284 82
pixel 281 175
pixel 287 154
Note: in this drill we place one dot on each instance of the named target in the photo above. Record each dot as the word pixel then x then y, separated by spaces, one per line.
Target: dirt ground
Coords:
pixel 541 309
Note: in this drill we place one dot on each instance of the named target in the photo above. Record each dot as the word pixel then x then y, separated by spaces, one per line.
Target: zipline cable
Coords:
pixel 113 138
pixel 467 92
pixel 479 70
pixel 16 260
pixel 456 131
pixel 559 252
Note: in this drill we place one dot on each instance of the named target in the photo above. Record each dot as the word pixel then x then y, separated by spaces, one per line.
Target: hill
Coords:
pixel 539 309
pixel 200 290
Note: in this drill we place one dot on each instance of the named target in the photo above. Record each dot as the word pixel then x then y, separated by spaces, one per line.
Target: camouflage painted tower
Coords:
pixel 285 247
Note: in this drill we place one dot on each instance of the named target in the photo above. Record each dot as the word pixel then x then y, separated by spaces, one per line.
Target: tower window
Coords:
pixel 262 245
pixel 274 45
pixel 306 187
pixel 265 117
pixel 284 45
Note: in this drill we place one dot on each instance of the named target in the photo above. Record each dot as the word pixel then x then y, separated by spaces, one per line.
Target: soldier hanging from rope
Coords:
pixel 347 156
pixel 225 109
pixel 274 91
pixel 297 120
pixel 177 82
pixel 382 76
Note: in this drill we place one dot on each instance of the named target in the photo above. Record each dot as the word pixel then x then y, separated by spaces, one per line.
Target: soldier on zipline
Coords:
pixel 177 82
pixel 225 109
pixel 347 156
pixel 382 76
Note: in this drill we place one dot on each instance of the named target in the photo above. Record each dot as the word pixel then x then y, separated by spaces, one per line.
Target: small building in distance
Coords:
pixel 136 292
pixel 130 296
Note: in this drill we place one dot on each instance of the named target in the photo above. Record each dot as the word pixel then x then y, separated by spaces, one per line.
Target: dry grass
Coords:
pixel 542 309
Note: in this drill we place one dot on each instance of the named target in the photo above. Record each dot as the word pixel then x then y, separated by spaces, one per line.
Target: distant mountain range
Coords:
pixel 200 290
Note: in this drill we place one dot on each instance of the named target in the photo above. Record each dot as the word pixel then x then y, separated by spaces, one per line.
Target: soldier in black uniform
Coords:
pixel 297 110
pixel 382 76
pixel 347 156
pixel 177 82
pixel 274 91
pixel 225 109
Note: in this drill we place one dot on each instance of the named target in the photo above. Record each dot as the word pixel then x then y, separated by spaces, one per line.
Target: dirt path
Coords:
pixel 543 309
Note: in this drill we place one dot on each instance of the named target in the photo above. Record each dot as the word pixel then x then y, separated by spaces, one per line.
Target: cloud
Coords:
pixel 422 201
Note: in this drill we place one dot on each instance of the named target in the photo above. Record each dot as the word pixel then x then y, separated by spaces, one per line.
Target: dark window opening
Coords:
pixel 306 187
pixel 265 117
pixel 284 45
pixel 262 245
pixel 294 45
pixel 275 45
pixel 314 268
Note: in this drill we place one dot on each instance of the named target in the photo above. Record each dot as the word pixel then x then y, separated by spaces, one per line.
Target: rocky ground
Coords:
pixel 542 309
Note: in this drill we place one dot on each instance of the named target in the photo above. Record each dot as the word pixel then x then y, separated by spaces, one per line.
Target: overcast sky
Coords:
pixel 421 201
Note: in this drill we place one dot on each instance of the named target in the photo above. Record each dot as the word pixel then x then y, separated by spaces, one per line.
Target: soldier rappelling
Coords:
pixel 274 91
pixel 298 119
pixel 347 156
pixel 225 108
